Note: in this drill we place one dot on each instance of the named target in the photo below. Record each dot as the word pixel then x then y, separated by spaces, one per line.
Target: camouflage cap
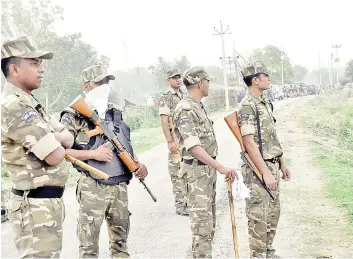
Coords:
pixel 95 74
pixel 195 74
pixel 254 67
pixel 23 47
pixel 173 72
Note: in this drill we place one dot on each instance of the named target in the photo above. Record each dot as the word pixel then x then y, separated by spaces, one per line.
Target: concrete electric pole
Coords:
pixel 337 60
pixel 222 33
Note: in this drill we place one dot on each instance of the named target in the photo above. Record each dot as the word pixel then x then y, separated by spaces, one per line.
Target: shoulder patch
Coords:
pixel 244 116
pixel 183 121
pixel 66 120
pixel 29 114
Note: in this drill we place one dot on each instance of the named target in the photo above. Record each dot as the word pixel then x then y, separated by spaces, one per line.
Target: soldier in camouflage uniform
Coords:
pixel 33 151
pixel 195 132
pixel 101 199
pixel 169 100
pixel 266 152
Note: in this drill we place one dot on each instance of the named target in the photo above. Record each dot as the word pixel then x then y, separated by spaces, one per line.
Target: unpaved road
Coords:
pixel 310 225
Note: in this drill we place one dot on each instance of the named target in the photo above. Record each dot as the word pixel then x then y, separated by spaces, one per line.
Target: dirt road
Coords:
pixel 309 224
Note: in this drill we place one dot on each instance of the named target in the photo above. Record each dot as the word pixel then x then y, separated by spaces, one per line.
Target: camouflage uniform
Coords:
pixel 262 212
pixel 98 201
pixel 194 128
pixel 27 137
pixel 168 102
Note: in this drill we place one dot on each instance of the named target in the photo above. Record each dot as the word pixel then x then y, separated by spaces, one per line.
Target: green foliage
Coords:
pixel 271 56
pixel 62 79
pixel 349 71
pixel 142 117
pixel 299 73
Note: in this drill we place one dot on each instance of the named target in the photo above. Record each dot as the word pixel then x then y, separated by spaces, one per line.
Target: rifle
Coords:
pixel 87 167
pixel 233 124
pixel 82 107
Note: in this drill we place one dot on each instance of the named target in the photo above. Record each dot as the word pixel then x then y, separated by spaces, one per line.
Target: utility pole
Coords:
pixel 222 33
pixel 236 64
pixel 337 60
pixel 331 74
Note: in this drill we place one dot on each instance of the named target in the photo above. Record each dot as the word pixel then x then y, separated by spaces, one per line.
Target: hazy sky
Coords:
pixel 136 32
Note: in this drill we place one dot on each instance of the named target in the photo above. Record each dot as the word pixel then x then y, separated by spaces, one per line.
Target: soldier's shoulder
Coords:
pixel 183 105
pixel 14 102
pixel 246 104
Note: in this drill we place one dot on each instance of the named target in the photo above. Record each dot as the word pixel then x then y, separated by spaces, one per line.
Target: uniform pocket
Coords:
pixel 19 217
pixel 86 231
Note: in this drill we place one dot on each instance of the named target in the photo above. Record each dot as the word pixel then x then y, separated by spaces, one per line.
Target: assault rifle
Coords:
pixel 233 124
pixel 82 107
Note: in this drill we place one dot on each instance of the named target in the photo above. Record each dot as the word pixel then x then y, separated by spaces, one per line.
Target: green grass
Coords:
pixel 331 119
pixel 145 139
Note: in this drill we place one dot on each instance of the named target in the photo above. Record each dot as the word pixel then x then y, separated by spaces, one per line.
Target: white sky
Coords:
pixel 152 28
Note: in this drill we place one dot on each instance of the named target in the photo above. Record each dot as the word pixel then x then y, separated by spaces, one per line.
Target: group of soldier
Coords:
pixel 35 144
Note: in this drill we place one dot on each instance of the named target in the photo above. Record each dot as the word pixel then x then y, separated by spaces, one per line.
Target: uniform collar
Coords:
pixel 172 90
pixel 192 100
pixel 11 89
pixel 257 99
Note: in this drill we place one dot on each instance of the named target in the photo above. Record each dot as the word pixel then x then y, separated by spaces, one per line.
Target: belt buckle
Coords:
pixel 195 162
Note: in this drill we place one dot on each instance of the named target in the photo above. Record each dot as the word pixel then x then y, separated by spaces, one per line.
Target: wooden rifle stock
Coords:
pixel 82 107
pixel 233 124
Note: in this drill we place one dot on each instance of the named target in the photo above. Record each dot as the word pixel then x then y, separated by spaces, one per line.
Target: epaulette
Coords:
pixel 184 105
pixel 71 111
pixel 166 92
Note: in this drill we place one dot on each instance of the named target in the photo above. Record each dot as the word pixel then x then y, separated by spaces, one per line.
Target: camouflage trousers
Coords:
pixel 97 202
pixel 37 226
pixel 263 213
pixel 179 182
pixel 201 199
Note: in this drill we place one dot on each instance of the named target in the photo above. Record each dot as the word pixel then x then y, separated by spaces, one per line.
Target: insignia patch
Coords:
pixel 244 116
pixel 29 115
pixel 183 121
pixel 66 120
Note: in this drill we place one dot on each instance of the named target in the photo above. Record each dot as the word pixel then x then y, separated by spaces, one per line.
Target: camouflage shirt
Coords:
pixel 169 101
pixel 271 146
pixel 27 137
pixel 194 128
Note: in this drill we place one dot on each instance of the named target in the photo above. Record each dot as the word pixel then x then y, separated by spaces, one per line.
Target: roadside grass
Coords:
pixel 330 118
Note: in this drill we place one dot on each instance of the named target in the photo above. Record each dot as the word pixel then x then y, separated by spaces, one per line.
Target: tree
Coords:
pixel 299 73
pixel 349 71
pixel 271 56
pixel 62 79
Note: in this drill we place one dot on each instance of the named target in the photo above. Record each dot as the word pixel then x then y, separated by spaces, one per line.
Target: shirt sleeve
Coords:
pixel 247 120
pixel 187 125
pixel 164 105
pixel 25 126
pixel 69 122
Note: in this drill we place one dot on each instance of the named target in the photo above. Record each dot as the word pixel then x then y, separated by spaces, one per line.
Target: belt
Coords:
pixel 273 160
pixel 44 192
pixel 190 161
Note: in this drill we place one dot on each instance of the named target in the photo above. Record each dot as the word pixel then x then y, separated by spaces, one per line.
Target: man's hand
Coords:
pixel 286 174
pixel 173 147
pixel 270 181
pixel 141 172
pixel 229 173
pixel 103 153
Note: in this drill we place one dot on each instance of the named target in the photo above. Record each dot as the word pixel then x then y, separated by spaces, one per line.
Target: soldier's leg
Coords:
pixel 118 221
pixel 179 185
pixel 37 226
pixel 257 212
pixel 91 197
pixel 200 199
pixel 274 212
pixel 214 201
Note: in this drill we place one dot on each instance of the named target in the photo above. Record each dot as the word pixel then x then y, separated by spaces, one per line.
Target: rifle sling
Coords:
pixel 259 130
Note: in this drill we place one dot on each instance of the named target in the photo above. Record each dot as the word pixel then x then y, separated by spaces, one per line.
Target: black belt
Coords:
pixel 44 192
pixel 273 160
pixel 190 161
